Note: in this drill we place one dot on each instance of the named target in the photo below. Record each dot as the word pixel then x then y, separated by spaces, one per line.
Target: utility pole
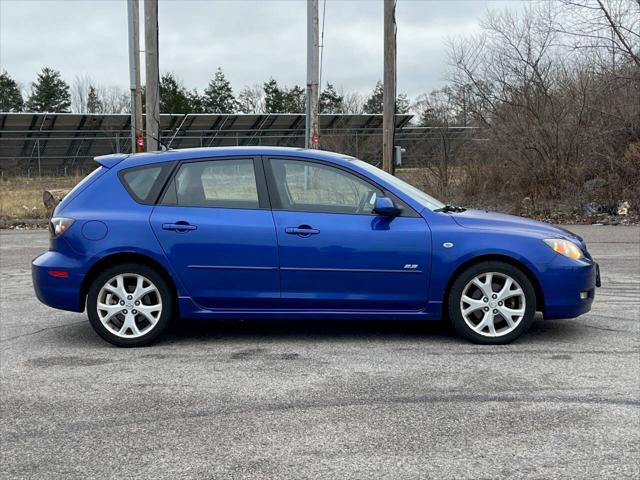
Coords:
pixel 137 129
pixel 389 92
pixel 312 137
pixel 152 74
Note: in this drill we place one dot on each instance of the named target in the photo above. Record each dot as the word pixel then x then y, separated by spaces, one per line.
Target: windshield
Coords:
pixel 418 195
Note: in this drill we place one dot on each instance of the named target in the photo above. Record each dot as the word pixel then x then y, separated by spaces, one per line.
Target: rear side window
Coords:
pixel 216 183
pixel 144 183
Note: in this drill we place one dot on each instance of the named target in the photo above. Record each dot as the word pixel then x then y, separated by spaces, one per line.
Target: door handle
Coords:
pixel 180 227
pixel 302 231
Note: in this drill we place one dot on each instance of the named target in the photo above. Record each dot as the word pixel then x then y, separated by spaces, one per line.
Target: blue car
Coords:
pixel 270 232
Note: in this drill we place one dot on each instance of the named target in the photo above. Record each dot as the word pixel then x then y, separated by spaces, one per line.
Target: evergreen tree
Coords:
pixel 174 98
pixel 374 102
pixel 402 104
pixel 295 100
pixel 330 101
pixel 49 93
pixel 10 96
pixel 274 97
pixel 282 99
pixel 196 104
pixel 218 96
pixel 94 105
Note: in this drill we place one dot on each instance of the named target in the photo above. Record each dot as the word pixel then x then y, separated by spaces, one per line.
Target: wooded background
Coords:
pixel 554 87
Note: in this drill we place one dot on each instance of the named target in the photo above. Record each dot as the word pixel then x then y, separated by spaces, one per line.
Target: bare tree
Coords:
pixel 80 93
pixel 353 102
pixel 108 98
pixel 556 119
pixel 252 99
pixel 608 28
pixel 442 112
pixel 113 99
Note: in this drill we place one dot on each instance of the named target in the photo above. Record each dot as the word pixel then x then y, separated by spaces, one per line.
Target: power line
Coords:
pixel 324 11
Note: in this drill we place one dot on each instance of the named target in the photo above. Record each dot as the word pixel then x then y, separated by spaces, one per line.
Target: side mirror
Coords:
pixel 384 206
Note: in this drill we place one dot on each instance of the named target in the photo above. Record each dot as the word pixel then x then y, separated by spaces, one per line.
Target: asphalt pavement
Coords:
pixel 313 399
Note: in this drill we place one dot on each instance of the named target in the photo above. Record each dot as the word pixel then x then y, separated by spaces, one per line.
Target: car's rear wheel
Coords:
pixel 492 303
pixel 130 305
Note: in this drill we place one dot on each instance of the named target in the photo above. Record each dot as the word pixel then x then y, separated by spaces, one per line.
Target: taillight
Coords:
pixel 59 225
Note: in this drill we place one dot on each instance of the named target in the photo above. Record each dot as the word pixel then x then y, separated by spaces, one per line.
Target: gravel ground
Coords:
pixel 322 399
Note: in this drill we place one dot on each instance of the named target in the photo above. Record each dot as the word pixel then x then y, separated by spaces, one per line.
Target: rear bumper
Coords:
pixel 564 285
pixel 58 292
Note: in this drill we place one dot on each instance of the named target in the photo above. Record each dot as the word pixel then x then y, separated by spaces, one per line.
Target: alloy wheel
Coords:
pixel 129 305
pixel 493 304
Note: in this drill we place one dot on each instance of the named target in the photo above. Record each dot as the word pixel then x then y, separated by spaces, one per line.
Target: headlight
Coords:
pixel 565 247
pixel 59 225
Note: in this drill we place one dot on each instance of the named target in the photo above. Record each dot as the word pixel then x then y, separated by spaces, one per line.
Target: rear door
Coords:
pixel 215 226
pixel 335 253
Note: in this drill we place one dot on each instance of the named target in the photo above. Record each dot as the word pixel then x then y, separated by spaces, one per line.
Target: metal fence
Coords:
pixel 65 144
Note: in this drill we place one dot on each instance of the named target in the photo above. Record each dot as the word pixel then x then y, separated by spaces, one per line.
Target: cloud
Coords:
pixel 250 40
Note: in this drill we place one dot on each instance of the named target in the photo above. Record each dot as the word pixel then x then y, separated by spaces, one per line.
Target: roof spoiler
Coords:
pixel 109 161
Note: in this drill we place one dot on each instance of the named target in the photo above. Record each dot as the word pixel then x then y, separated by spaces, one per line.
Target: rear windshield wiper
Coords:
pixel 450 208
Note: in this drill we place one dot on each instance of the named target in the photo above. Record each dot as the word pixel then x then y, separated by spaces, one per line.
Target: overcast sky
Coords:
pixel 250 40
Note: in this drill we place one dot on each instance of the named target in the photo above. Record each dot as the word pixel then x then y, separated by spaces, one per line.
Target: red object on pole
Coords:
pixel 315 139
pixel 139 143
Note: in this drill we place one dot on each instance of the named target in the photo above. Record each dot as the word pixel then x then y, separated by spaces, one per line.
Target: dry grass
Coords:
pixel 21 197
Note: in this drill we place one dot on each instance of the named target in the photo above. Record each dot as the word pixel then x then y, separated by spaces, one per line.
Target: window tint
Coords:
pixel 217 183
pixel 308 186
pixel 140 181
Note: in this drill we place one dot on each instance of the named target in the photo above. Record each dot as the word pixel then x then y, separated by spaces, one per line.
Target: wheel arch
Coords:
pixel 119 258
pixel 495 258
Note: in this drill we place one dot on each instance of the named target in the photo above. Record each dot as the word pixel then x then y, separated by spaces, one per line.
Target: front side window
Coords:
pixel 314 187
pixel 215 183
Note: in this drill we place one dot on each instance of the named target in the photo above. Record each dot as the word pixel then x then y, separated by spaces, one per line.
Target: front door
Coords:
pixel 334 252
pixel 216 228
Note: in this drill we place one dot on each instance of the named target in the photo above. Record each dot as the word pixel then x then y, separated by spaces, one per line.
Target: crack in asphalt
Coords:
pixel 54 327
pixel 608 329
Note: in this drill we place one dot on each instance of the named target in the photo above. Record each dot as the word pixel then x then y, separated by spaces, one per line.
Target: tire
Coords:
pixel 144 312
pixel 481 316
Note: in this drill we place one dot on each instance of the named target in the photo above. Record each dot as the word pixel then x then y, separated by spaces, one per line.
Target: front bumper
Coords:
pixel 63 293
pixel 566 283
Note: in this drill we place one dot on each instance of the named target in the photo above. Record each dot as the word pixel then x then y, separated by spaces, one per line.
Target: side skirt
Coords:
pixel 191 311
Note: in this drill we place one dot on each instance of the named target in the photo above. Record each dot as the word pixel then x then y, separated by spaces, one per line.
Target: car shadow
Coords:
pixel 304 329
pixel 354 330
pixel 212 331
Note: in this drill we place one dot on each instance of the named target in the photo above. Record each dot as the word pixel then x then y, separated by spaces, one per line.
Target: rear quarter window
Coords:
pixel 144 183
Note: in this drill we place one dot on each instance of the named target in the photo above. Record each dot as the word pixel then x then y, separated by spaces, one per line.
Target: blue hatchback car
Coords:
pixel 291 233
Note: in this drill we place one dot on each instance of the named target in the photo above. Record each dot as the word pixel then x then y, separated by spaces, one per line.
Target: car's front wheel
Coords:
pixel 492 303
pixel 129 305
